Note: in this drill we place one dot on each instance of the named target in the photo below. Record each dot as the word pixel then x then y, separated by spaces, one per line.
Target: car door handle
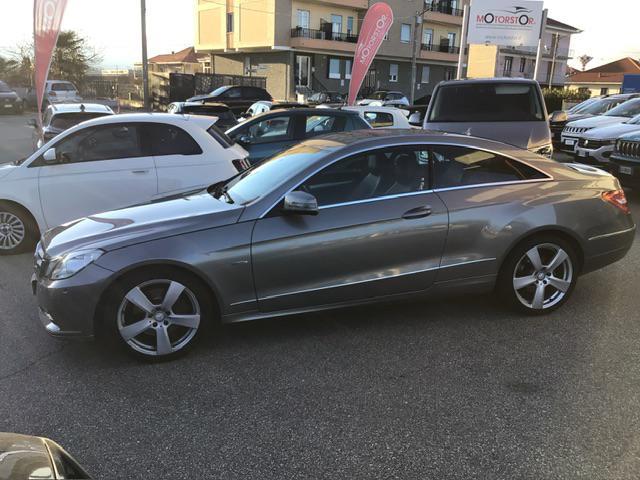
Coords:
pixel 139 172
pixel 418 212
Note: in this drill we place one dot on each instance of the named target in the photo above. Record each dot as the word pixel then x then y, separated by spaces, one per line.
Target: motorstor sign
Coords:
pixel 505 22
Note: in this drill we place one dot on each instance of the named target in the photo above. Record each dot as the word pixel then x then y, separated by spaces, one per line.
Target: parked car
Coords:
pixel 24 457
pixel 348 218
pixel 417 114
pixel 596 145
pixel 226 118
pixel 320 98
pixel 625 160
pixel 55 91
pixel 269 133
pixel 61 116
pixel 9 100
pixel 264 106
pixel 509 110
pixel 382 117
pixel 589 108
pixel 385 98
pixel 238 98
pixel 619 114
pixel 107 163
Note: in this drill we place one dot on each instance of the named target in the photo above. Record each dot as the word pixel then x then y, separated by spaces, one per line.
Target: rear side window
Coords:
pixel 170 140
pixel 220 136
pixel 234 92
pixel 458 166
pixel 256 93
pixel 487 102
pixel 379 119
pixel 321 124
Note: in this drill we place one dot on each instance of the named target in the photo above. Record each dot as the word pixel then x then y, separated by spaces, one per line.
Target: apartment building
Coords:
pixel 520 62
pixel 302 46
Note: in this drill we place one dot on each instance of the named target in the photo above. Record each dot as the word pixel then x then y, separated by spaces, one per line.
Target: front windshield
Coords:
pixel 634 121
pixel 219 91
pixel 600 106
pixel 379 95
pixel 581 106
pixel 627 109
pixel 262 179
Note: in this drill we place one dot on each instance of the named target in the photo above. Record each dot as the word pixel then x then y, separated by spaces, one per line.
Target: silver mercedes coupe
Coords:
pixel 344 219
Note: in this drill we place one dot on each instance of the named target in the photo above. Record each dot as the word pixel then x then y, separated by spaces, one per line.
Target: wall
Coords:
pixel 482 61
pixel 210 26
pixel 594 89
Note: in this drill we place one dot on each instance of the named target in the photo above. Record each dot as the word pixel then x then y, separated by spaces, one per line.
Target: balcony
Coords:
pixel 443 52
pixel 360 4
pixel 443 13
pixel 323 39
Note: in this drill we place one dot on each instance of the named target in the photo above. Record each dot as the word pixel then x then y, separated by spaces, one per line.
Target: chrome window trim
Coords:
pixel 375 199
pixel 357 282
pixel 548 176
pixel 496 184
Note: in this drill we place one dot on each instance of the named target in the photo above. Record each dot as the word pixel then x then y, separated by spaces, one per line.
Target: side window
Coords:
pixel 58 87
pixel 273 129
pixel 389 171
pixel 321 124
pixel 458 166
pixel 379 119
pixel 170 140
pixel 235 92
pixel 100 143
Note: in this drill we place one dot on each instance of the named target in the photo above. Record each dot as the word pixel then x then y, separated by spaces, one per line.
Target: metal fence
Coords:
pixel 207 82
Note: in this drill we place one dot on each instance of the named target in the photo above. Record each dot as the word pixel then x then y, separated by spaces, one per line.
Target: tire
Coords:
pixel 157 314
pixel 545 280
pixel 18 230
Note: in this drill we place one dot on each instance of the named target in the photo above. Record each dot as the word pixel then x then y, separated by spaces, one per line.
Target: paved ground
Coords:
pixel 15 137
pixel 454 389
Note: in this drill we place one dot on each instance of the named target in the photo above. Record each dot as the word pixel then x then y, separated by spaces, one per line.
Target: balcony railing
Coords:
pixel 300 32
pixel 440 48
pixel 443 8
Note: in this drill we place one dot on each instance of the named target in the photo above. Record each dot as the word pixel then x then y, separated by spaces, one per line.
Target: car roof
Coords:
pixel 465 81
pixel 305 111
pixel 358 108
pixel 201 121
pixel 77 108
pixel 60 81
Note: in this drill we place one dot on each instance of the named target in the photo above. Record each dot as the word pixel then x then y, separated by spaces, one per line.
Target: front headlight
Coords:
pixel 546 151
pixel 71 263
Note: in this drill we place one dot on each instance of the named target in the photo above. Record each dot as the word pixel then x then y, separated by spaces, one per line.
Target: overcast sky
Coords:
pixel 113 26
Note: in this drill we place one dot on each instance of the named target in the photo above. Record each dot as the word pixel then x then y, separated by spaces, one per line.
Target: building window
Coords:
pixel 386 36
pixel 508 63
pixel 451 38
pixel 336 21
pixel 523 64
pixel 334 68
pixel 405 33
pixel 426 70
pixel 349 25
pixel 230 22
pixel 303 18
pixel 604 91
pixel 303 71
pixel 347 69
pixel 206 67
pixel 449 73
pixel 393 72
pixel 427 36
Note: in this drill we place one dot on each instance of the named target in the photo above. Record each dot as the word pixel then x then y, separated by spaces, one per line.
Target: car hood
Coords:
pixel 527 135
pixel 119 228
pixel 595 122
pixel 6 169
pixel 572 117
pixel 611 132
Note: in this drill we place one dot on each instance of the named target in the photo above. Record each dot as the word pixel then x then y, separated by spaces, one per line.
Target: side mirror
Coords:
pixel 244 139
pixel 50 156
pixel 414 119
pixel 559 116
pixel 300 203
pixel 32 122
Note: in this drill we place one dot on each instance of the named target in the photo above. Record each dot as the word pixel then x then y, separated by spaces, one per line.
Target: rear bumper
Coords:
pixel 603 250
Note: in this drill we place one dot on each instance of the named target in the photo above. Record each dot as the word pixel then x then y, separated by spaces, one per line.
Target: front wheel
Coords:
pixel 159 313
pixel 539 275
pixel 18 231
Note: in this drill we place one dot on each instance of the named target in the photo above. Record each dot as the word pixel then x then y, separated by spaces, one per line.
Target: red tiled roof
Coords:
pixel 564 26
pixel 187 55
pixel 609 73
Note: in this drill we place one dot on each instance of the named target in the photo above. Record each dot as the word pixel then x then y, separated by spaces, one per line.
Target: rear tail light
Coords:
pixel 618 199
pixel 241 165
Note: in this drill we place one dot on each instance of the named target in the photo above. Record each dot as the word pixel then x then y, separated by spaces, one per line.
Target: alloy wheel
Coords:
pixel 158 317
pixel 543 276
pixel 12 231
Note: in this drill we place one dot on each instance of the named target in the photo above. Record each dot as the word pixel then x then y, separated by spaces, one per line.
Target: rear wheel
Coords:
pixel 159 313
pixel 539 275
pixel 18 230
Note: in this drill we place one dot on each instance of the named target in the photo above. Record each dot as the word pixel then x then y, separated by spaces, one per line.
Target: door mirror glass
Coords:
pixel 414 119
pixel 50 156
pixel 559 116
pixel 300 203
pixel 244 139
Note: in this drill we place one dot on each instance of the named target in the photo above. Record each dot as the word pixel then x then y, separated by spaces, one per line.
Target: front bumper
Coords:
pixel 568 143
pixel 628 172
pixel 67 308
pixel 599 156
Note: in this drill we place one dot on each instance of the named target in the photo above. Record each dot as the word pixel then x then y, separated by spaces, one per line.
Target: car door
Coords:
pixel 234 100
pixel 98 169
pixel 380 231
pixel 179 160
pixel 264 137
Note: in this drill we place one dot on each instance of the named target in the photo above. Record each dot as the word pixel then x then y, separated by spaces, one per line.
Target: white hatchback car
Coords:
pixel 110 163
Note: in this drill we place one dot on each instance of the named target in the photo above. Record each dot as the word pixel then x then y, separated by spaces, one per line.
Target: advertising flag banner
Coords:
pixel 505 22
pixel 47 16
pixel 375 26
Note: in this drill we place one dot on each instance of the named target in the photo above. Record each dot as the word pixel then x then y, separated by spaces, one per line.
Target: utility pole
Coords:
pixel 463 40
pixel 540 45
pixel 145 66
pixel 414 55
pixel 556 37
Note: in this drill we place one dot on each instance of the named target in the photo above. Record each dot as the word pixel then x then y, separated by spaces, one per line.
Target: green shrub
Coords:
pixel 554 97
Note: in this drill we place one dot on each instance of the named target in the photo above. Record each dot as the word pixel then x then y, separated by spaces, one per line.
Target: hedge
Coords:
pixel 554 97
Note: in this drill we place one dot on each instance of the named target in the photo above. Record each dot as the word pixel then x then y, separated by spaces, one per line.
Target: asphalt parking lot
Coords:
pixel 457 388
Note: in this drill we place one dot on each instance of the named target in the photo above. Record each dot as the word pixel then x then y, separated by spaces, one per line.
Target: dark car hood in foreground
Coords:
pixel 119 228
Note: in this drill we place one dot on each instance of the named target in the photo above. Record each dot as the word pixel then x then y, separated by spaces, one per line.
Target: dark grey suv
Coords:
pixel 343 219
